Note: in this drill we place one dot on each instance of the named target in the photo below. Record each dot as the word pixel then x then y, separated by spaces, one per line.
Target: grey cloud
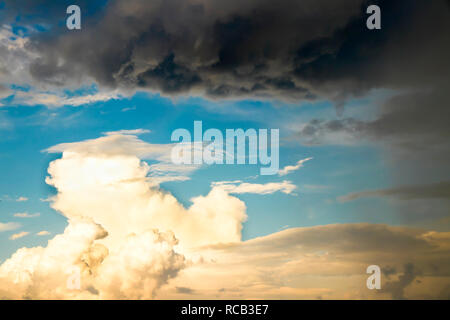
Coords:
pixel 345 238
pixel 439 190
pixel 412 203
pixel 390 57
pixel 407 121
pixel 318 131
pixel 415 120
pixel 445 293
pixel 169 76
pixel 402 253
pixel 397 288
pixel 289 49
pixel 388 271
pixel 411 130
pixel 184 290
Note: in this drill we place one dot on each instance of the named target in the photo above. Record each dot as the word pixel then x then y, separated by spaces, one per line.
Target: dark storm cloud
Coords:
pixel 287 49
pixel 169 76
pixel 410 52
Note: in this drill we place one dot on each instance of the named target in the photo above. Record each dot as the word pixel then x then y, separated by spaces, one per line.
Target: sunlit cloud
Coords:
pixel 239 187
pixel 286 170
pixel 19 235
pixel 127 132
pixel 9 226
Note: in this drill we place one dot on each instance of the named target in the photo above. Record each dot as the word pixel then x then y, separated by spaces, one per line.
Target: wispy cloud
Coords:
pixel 127 132
pixel 239 187
pixel 9 198
pixel 43 233
pixel 56 99
pixel 19 235
pixel 295 167
pixel 26 215
pixel 128 109
pixel 9 226
pixel 48 199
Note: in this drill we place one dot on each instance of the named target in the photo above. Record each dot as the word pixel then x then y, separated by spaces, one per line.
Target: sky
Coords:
pixel 86 181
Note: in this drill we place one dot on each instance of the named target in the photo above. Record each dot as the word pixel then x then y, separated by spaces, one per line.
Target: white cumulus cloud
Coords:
pixel 126 236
